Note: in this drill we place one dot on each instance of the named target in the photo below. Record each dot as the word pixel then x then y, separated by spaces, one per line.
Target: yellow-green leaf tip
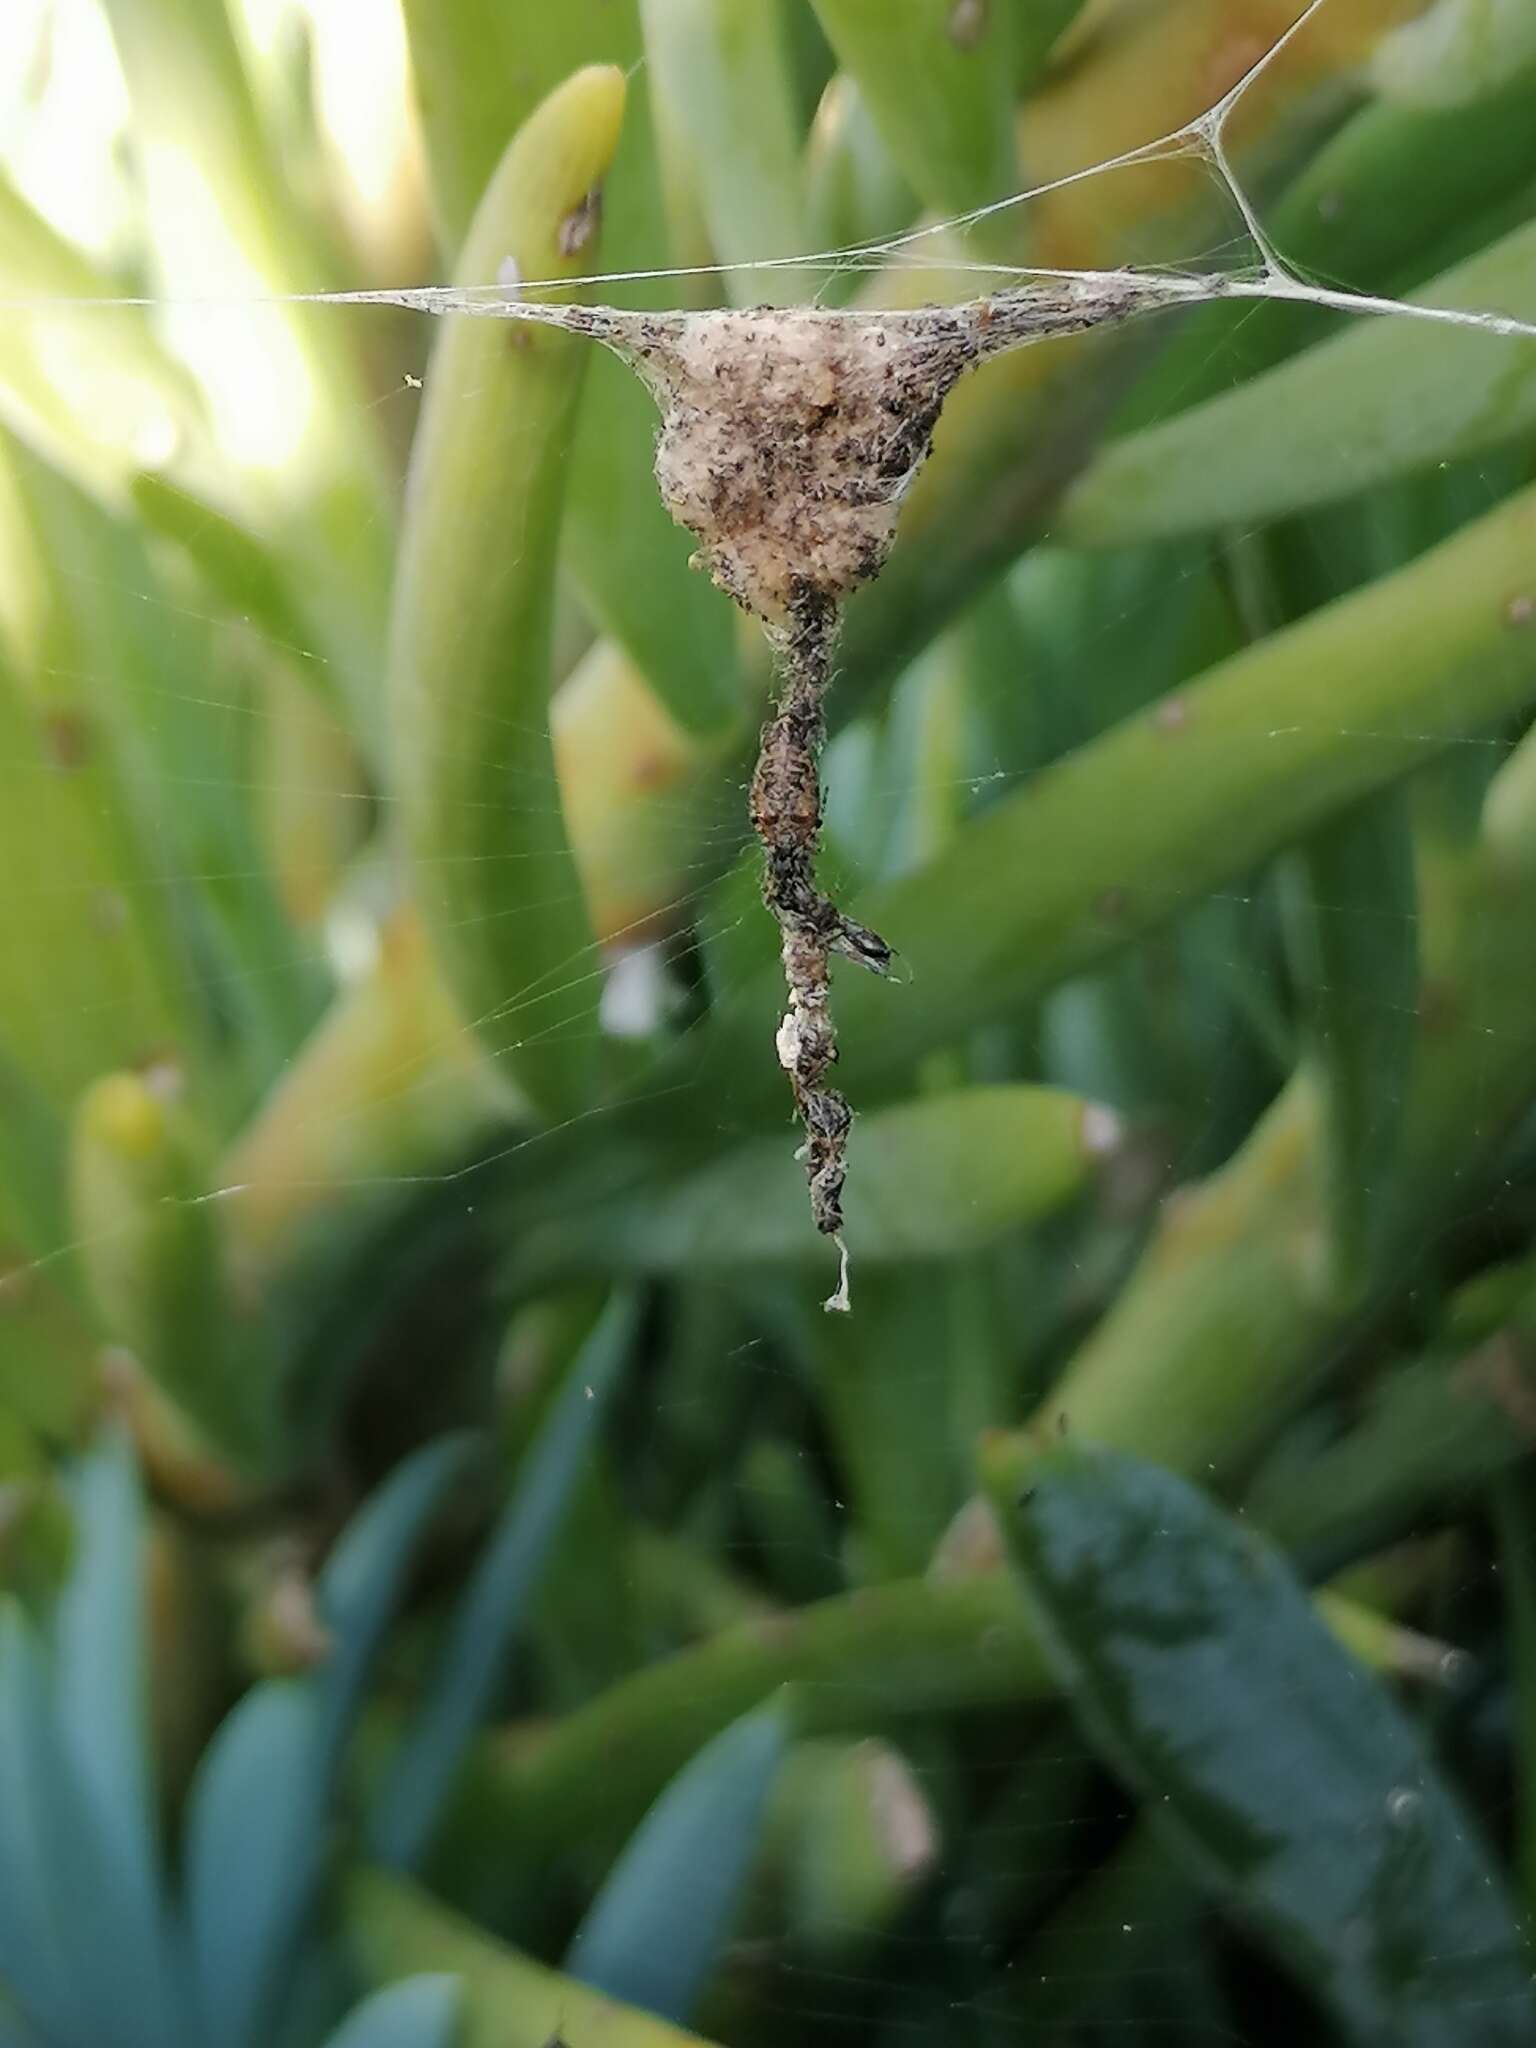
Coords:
pixel 542 209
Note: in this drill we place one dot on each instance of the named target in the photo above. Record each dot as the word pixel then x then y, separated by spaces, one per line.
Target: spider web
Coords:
pixel 878 789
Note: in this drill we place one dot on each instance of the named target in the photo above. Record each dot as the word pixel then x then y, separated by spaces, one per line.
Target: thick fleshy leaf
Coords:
pixel 259 1815
pixel 139 396
pixel 726 102
pixel 654 1933
pixel 938 79
pixel 496 1601
pixel 99 1645
pixel 301 449
pixel 481 68
pixel 1516 1551
pixel 510 2001
pixel 36 1964
pixel 1277 1768
pixel 100 924
pixel 929 1178
pixel 255 1848
pixel 1354 952
pixel 101 1707
pixel 1369 210
pixel 151 1255
pixel 1378 400
pixel 361 1583
pixel 420 2012
pixel 105 1978
pixel 470 637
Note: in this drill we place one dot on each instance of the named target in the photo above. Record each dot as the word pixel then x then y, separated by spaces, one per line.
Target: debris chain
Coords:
pixel 786 807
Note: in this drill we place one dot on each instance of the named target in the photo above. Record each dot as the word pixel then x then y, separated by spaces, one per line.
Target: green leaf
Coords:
pixel 1278 1769
pixel 142 680
pixel 884 1377
pixel 101 1708
pixel 1517 1539
pixel 1058 1987
pixel 726 104
pixel 654 1934
pixel 35 1959
pixel 139 396
pixel 1456 53
pixel 1381 399
pixel 259 1813
pixel 240 569
pixel 913 1647
pixel 100 1675
pixel 852 1837
pixel 1365 211
pixel 256 1840
pixel 938 79
pixel 359 1588
pixel 98 917
pixel 290 409
pixel 1429 1435
pixel 1038 27
pixel 1354 951
pixel 470 637
pixel 58 1846
pixel 510 2001
pixel 929 1178
pixel 496 1601
pixel 151 1254
pixel 854 191
pixel 481 69
pixel 418 2012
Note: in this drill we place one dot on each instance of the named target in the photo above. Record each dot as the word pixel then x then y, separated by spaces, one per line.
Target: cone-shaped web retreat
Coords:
pixel 788 441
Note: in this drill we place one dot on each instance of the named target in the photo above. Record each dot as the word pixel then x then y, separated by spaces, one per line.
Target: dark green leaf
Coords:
pixel 938 80
pixel 35 1959
pixel 99 1647
pixel 1278 1769
pixel 101 1708
pixel 943 1174
pixel 510 2001
pixel 360 1585
pixel 496 1600
pixel 1378 400
pixel 1355 956
pixel 420 2012
pixel 256 1842
pixel 471 624
pixel 654 1934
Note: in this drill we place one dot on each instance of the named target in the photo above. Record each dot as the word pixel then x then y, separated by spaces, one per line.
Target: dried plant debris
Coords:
pixel 788 440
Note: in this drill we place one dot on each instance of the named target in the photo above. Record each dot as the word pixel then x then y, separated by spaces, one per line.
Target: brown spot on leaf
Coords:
pixel 968 23
pixel 67 737
pixel 581 224
pixel 651 771
pixel 109 911
pixel 1501 1370
pixel 1439 1006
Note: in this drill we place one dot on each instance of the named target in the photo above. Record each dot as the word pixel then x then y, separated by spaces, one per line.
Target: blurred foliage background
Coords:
pixel 455 1585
